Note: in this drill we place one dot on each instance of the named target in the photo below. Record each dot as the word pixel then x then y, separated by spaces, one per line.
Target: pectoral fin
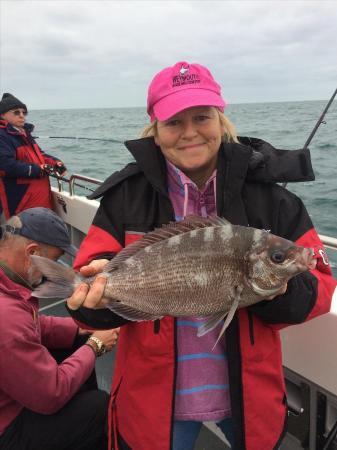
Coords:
pixel 210 323
pixel 215 319
pixel 229 318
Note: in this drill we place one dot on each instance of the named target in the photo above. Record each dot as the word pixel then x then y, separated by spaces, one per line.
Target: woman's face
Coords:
pixel 16 117
pixel 191 139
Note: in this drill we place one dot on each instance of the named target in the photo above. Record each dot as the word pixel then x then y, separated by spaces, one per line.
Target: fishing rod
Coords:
pixel 318 123
pixel 320 120
pixel 78 138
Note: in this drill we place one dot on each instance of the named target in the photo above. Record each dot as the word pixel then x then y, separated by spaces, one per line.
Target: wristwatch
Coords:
pixel 98 344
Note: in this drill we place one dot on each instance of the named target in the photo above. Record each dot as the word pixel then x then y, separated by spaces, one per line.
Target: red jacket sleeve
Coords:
pixel 102 240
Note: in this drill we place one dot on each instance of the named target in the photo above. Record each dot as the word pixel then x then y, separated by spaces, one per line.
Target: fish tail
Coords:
pixel 60 280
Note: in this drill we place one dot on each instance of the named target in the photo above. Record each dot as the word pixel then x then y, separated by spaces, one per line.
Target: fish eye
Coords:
pixel 278 256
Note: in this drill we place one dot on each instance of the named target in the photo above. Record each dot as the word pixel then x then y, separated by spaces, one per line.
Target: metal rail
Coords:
pixel 329 242
pixel 71 182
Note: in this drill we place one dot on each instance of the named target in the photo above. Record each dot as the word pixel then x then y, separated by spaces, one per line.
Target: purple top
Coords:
pixel 202 389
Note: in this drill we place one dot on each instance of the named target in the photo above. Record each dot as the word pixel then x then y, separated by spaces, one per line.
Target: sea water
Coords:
pixel 285 125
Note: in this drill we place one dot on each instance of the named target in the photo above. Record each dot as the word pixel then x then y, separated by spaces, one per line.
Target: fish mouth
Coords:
pixel 309 256
pixel 302 259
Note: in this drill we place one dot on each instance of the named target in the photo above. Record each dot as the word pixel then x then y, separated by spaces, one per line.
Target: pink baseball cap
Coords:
pixel 182 86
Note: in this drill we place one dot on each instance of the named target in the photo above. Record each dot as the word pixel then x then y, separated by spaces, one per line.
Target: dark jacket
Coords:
pixel 22 182
pixel 135 200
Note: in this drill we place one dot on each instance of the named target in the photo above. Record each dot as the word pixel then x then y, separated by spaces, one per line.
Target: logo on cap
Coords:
pixel 184 69
pixel 185 77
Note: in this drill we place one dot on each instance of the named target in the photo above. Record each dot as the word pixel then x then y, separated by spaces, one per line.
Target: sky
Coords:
pixel 103 54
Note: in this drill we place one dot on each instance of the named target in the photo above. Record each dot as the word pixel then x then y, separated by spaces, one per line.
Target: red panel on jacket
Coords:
pixel 97 242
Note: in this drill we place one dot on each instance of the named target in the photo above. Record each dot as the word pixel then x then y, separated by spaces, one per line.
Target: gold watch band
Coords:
pixel 98 344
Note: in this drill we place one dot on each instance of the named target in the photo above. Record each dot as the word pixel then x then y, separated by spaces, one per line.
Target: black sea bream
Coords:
pixel 197 267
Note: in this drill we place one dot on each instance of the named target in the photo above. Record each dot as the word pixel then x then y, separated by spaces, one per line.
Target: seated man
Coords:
pixel 40 403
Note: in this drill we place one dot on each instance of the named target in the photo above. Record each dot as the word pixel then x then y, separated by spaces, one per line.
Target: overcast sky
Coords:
pixel 74 54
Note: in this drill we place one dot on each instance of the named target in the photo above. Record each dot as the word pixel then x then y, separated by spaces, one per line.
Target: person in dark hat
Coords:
pixel 24 167
pixel 43 404
pixel 9 102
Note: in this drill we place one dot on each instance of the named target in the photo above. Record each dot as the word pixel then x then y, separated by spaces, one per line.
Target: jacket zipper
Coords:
pixel 156 326
pixel 174 380
pixel 251 327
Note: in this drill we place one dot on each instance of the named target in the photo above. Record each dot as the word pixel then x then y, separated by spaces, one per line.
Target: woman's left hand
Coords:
pixel 90 297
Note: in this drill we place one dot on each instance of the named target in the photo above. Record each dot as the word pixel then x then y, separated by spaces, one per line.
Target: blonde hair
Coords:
pixel 229 135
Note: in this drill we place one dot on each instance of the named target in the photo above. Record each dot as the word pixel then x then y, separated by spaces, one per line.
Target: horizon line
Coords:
pixel 144 107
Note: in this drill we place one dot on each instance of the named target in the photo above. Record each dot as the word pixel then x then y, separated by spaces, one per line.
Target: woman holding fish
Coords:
pixel 167 379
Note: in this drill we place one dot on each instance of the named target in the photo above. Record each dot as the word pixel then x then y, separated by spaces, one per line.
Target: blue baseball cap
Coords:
pixel 45 226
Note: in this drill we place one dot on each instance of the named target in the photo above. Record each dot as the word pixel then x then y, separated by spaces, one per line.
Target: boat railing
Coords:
pixel 73 181
pixel 329 242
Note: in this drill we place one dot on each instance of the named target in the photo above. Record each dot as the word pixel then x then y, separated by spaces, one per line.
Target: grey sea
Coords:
pixel 285 125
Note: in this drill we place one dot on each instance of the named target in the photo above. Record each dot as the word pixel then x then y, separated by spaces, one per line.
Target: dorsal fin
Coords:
pixel 161 234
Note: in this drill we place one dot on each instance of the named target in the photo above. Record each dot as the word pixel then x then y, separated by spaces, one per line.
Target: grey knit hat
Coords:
pixel 9 102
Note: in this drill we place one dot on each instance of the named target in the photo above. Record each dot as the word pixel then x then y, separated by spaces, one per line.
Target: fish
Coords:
pixel 202 267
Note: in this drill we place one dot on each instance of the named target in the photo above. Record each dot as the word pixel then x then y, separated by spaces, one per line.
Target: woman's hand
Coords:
pixel 96 266
pixel 90 296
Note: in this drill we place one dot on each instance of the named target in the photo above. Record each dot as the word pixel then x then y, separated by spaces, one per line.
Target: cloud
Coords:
pixel 104 53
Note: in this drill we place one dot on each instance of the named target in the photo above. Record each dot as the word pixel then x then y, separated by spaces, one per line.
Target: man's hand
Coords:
pixel 108 337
